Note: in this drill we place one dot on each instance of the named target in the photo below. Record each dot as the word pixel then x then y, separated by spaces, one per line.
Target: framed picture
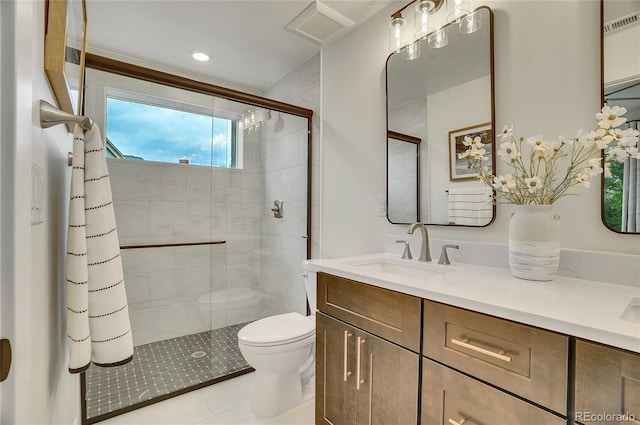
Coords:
pixel 64 51
pixel 459 168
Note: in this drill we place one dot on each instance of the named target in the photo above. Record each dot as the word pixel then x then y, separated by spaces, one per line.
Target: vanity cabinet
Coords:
pixel 451 398
pixel 607 382
pixel 521 359
pixel 367 354
pixel 363 379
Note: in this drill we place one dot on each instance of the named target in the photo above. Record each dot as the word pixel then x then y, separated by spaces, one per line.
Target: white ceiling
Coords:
pixel 247 40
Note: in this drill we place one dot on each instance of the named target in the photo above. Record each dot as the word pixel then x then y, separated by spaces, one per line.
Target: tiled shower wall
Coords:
pixel 285 177
pixel 163 203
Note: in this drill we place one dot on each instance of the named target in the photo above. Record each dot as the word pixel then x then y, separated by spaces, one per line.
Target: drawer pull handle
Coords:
pixel 465 343
pixel 346 371
pixel 452 422
pixel 359 381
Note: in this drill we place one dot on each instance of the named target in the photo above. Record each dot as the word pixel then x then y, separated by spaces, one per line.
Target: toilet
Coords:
pixel 281 350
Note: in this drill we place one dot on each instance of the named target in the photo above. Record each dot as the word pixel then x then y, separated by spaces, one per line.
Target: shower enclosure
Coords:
pixel 194 177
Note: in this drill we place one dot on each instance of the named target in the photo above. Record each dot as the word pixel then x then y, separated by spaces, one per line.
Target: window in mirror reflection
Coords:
pixel 140 130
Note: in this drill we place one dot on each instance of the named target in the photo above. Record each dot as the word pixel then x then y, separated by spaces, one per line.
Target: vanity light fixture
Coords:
pixel 397 36
pixel 438 38
pixel 458 11
pixel 253 119
pixel 423 9
pixel 412 51
pixel 200 56
pixel 470 23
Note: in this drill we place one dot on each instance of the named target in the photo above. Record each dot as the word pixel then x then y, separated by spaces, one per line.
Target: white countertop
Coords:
pixel 586 309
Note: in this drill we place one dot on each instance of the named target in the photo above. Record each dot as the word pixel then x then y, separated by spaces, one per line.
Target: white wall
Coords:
pixel 39 389
pixel 547 82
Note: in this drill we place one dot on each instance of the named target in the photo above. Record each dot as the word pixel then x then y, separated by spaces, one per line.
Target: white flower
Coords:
pixel 465 155
pixel 625 138
pixel 537 143
pixel 602 138
pixel 594 168
pixel 533 183
pixel 508 151
pixel 506 132
pixel 556 145
pixel 583 179
pixel 473 142
pixel 478 153
pixel 633 152
pixel 617 154
pixel 611 116
pixel 504 183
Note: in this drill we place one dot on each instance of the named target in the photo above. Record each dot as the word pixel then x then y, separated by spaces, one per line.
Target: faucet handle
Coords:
pixel 444 257
pixel 406 254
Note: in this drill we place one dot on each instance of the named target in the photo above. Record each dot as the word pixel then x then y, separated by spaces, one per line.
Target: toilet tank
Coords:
pixel 310 280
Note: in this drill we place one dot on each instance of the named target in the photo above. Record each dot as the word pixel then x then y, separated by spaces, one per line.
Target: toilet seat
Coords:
pixel 277 330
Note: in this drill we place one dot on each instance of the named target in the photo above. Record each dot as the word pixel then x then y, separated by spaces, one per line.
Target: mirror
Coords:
pixel 621 87
pixel 64 50
pixel 403 167
pixel 439 97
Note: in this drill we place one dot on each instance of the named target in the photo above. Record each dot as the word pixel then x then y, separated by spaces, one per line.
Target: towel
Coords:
pixel 98 326
pixel 470 206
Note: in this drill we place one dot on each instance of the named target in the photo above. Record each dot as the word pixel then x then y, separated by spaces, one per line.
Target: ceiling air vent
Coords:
pixel 619 23
pixel 319 23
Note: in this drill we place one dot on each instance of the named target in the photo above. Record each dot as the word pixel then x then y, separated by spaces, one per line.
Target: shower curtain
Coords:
pixel 631 193
pixel 98 327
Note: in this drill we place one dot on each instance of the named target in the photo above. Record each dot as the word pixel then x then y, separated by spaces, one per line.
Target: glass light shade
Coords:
pixel 421 18
pixel 412 51
pixel 438 39
pixel 456 9
pixel 470 23
pixel 397 33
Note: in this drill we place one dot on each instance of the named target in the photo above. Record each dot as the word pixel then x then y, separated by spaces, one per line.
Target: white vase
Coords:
pixel 534 242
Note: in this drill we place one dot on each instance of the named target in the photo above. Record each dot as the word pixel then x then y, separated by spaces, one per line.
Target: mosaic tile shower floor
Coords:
pixel 163 367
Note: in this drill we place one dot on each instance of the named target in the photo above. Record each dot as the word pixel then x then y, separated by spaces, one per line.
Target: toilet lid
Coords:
pixel 277 330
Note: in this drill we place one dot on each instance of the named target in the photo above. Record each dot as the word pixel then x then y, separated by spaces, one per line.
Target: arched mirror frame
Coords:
pixel 492 120
pixel 603 214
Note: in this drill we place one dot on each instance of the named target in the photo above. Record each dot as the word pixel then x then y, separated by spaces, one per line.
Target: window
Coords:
pixel 141 127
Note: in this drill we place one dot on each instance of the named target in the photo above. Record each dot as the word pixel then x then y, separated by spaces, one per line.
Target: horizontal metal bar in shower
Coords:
pixel 164 245
pixel 50 116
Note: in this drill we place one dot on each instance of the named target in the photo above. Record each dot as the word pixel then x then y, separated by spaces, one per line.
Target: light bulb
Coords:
pixel 421 18
pixel 396 33
pixel 456 9
pixel 470 23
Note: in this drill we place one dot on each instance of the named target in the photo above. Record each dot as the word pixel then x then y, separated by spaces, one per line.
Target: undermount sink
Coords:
pixel 387 266
pixel 632 312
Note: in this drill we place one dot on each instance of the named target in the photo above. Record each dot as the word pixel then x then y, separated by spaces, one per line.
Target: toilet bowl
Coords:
pixel 281 350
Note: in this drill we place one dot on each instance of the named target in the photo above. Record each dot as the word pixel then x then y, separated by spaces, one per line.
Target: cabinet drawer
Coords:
pixel 607 382
pixel 524 360
pixel 449 397
pixel 388 314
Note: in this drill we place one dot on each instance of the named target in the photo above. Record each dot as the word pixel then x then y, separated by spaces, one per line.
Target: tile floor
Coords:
pixel 225 403
pixel 163 367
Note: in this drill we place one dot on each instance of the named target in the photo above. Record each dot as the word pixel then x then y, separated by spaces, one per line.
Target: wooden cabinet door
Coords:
pixel 607 382
pixel 335 372
pixel 387 390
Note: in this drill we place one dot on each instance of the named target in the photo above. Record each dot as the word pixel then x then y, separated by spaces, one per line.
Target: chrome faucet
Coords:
pixel 425 255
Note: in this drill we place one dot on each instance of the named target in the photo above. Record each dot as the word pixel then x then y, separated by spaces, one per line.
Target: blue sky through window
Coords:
pixel 162 134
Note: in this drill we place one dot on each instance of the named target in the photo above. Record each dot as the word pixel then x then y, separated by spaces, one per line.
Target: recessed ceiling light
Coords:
pixel 200 56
